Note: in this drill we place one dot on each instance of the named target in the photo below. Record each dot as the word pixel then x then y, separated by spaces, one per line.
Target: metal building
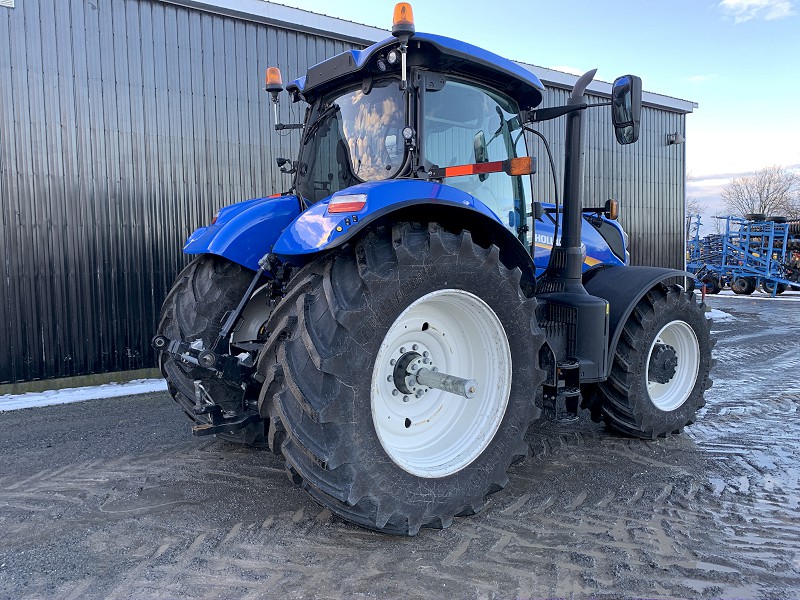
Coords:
pixel 126 124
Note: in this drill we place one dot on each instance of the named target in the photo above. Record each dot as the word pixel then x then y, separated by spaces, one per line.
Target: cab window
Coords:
pixel 464 123
pixel 352 137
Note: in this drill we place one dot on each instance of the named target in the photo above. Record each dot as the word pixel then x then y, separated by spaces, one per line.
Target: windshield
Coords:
pixel 351 138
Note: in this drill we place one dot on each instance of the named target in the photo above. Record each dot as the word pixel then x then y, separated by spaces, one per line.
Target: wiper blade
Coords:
pixel 312 129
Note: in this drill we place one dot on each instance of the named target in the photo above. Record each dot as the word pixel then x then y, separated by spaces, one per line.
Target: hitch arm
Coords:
pixel 226 366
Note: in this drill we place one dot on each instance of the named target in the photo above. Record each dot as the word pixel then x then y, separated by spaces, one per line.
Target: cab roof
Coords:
pixel 435 53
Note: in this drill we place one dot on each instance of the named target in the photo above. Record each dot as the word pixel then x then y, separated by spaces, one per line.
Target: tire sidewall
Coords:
pixel 390 297
pixel 651 417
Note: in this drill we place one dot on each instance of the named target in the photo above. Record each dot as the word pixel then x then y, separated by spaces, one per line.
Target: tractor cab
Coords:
pixel 415 109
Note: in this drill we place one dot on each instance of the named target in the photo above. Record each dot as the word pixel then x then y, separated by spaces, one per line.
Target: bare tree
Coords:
pixel 693 205
pixel 770 191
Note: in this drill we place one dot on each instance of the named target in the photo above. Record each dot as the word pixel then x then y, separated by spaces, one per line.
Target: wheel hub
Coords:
pixel 663 363
pixel 404 374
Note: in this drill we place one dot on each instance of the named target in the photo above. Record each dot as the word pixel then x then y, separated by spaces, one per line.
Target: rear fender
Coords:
pixel 245 231
pixel 316 230
pixel 623 287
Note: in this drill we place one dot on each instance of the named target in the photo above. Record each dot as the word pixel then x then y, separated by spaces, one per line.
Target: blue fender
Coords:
pixel 316 229
pixel 245 231
pixel 622 288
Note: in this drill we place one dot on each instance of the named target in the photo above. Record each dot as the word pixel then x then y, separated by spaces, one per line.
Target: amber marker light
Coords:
pixel 520 166
pixel 403 19
pixel 274 80
pixel 612 209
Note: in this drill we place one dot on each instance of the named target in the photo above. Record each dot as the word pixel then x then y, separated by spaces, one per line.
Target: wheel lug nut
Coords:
pixel 415 347
pixel 395 392
pixel 405 398
pixel 419 393
pixel 426 354
pixel 413 367
pixel 393 362
pixel 389 378
pixel 402 350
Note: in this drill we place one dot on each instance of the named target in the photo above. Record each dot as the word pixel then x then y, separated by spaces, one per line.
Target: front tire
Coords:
pixel 373 455
pixel 661 366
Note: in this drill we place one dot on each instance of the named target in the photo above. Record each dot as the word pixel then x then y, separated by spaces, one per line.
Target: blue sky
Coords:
pixel 738 59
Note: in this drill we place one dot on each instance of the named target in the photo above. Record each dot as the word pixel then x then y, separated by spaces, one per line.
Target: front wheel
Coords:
pixel 661 366
pixel 365 435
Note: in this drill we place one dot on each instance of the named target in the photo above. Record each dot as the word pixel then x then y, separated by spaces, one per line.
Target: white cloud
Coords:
pixel 745 10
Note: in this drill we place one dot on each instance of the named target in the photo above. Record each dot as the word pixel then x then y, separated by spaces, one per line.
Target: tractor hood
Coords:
pixel 432 52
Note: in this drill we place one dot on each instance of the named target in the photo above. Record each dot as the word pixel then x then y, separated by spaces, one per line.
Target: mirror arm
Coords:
pixel 545 114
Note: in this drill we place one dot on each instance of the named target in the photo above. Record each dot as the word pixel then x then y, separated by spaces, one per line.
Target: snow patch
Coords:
pixel 69 395
pixel 719 316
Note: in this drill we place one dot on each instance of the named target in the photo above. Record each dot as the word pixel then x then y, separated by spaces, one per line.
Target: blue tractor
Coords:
pixel 393 324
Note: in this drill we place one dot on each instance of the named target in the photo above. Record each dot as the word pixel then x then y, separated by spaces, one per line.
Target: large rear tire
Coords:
pixel 373 455
pixel 661 366
pixel 201 297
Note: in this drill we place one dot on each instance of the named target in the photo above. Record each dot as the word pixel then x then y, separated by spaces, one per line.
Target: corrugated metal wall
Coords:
pixel 647 178
pixel 126 124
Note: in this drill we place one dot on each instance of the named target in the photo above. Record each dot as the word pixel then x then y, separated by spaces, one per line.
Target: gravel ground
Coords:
pixel 113 499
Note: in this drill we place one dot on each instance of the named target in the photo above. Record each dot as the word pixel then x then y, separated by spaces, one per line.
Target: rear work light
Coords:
pixel 347 203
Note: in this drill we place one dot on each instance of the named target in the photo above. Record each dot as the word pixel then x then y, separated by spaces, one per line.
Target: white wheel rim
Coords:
pixel 671 395
pixel 440 433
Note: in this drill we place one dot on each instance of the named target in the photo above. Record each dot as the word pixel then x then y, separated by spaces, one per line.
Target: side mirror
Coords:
pixel 481 151
pixel 626 108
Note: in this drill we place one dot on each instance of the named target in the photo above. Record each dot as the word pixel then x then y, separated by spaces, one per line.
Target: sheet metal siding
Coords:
pixel 124 125
pixel 647 178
